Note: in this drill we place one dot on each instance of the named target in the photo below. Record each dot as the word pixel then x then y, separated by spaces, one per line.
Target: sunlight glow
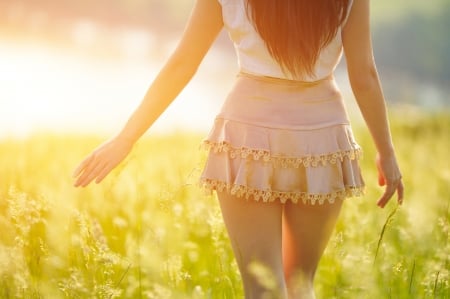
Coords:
pixel 85 32
pixel 43 88
pixel 51 89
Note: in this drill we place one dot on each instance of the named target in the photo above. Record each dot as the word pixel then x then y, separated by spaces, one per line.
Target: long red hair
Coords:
pixel 295 31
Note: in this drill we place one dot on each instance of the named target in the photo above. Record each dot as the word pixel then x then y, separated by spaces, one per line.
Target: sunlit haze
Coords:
pixel 44 88
pixel 79 74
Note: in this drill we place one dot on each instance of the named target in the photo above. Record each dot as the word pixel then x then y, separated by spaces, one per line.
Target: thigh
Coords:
pixel 306 231
pixel 254 229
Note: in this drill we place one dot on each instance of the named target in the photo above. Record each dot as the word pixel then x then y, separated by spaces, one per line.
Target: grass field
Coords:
pixel 149 232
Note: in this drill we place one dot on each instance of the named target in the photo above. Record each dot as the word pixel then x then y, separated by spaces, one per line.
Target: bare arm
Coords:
pixel 369 96
pixel 203 27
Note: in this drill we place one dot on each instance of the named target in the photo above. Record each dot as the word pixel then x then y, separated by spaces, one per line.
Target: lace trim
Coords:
pixel 270 195
pixel 264 155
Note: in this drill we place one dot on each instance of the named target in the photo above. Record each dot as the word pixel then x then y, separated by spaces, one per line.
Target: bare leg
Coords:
pixel 254 229
pixel 306 231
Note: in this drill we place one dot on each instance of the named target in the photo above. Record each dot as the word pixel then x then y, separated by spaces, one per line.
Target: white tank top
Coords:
pixel 253 56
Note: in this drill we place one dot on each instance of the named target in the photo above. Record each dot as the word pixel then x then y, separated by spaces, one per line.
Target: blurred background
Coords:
pixel 82 66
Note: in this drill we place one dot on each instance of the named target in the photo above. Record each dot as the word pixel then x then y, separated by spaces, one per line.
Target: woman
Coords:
pixel 282 155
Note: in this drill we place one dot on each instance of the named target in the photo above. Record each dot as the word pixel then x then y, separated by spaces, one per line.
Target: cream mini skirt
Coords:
pixel 283 140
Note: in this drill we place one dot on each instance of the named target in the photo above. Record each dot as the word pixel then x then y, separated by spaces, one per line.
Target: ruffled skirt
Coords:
pixel 282 140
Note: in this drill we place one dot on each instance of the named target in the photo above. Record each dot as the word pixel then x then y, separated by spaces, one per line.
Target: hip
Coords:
pixel 286 104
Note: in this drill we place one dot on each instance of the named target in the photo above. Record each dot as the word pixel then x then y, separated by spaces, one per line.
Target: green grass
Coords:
pixel 149 232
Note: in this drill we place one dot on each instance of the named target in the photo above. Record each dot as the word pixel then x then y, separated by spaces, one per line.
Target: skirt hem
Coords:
pixel 283 197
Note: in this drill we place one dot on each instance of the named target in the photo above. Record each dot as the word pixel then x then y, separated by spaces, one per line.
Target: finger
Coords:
pixel 83 165
pixel 400 192
pixel 104 173
pixel 390 190
pixel 83 171
pixel 83 178
pixel 90 173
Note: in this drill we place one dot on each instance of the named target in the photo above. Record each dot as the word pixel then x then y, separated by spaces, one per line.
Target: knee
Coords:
pixel 300 284
pixel 300 273
pixel 261 281
pixel 302 276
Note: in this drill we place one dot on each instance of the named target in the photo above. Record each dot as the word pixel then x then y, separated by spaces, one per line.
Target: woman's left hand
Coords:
pixel 101 161
pixel 389 175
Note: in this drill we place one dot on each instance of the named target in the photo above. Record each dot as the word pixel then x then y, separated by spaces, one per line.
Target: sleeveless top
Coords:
pixel 253 56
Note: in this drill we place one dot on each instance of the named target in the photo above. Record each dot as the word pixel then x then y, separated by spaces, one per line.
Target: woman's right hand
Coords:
pixel 101 161
pixel 389 175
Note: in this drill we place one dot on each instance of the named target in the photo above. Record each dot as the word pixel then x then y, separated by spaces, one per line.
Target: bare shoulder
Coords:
pixel 202 28
pixel 206 17
pixel 358 21
pixel 356 39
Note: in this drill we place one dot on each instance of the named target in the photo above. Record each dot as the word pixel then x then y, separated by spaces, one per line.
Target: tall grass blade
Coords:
pixel 412 276
pixel 435 284
pixel 383 230
pixel 123 275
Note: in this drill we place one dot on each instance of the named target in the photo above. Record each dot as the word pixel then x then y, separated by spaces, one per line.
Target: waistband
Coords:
pixel 283 81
